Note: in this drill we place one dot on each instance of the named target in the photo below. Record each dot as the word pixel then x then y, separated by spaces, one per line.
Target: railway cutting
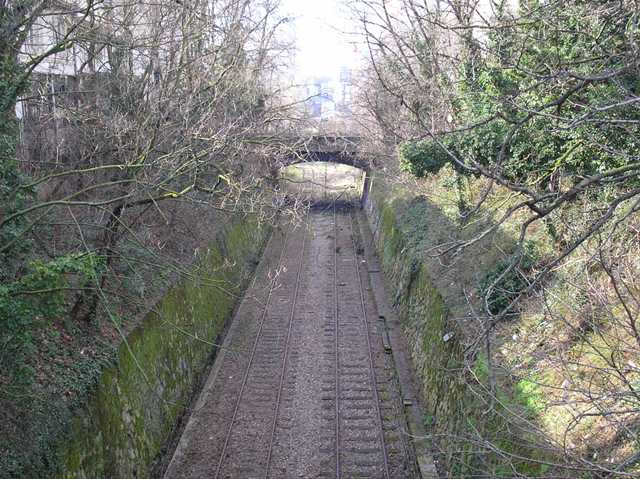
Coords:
pixel 303 386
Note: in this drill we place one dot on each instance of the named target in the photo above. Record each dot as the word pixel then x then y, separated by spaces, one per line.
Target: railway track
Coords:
pixel 258 401
pixel 358 446
pixel 307 390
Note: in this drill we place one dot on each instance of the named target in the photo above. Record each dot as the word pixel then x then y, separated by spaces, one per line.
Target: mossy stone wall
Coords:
pixel 131 414
pixel 431 337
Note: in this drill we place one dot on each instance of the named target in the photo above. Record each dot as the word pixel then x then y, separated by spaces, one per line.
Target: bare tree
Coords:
pixel 537 99
pixel 138 121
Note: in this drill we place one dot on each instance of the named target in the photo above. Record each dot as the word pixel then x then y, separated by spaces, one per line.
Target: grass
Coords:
pixel 529 394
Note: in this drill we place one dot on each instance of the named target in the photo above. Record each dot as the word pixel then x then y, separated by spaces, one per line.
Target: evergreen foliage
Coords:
pixel 37 296
pixel 424 157
pixel 508 279
pixel 554 96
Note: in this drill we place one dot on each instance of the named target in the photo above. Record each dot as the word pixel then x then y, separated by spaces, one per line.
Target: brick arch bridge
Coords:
pixel 329 148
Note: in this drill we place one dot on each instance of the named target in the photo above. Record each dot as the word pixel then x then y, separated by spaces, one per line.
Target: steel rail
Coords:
pixel 372 373
pixel 286 357
pixel 337 324
pixel 253 352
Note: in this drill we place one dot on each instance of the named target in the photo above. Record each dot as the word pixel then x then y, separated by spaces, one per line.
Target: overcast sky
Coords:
pixel 318 27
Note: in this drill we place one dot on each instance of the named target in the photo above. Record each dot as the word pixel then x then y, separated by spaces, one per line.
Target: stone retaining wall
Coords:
pixel 131 414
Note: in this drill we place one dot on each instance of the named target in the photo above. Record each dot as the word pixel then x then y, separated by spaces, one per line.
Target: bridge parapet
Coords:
pixel 328 144
pixel 330 148
pixel 343 149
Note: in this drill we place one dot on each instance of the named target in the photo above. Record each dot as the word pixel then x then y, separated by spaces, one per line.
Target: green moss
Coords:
pixel 405 227
pixel 422 311
pixel 137 402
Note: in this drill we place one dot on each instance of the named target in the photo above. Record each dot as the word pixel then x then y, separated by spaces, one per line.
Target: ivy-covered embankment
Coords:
pixel 130 415
pixel 434 295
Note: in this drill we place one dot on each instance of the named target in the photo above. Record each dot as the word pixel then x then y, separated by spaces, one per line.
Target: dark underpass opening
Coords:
pixel 319 183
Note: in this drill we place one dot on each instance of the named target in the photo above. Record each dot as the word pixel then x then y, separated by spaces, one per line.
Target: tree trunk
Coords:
pixel 86 305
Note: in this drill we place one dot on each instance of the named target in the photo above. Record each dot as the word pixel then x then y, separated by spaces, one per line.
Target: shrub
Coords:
pixel 503 290
pixel 421 158
pixel 37 296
